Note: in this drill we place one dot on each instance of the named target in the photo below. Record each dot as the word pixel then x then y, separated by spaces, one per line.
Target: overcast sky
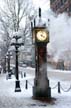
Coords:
pixel 44 4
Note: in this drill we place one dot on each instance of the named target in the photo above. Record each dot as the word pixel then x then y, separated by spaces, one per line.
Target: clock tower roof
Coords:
pixel 40 22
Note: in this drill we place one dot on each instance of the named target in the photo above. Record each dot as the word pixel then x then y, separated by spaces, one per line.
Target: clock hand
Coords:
pixel 42 36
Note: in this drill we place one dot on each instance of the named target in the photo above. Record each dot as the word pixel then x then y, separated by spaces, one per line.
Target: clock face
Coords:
pixel 41 35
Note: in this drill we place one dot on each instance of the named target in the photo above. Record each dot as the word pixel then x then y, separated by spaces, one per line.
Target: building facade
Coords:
pixel 60 6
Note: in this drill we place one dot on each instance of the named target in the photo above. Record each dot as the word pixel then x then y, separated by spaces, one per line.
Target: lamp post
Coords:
pixel 17 45
pixel 4 65
pixel 8 61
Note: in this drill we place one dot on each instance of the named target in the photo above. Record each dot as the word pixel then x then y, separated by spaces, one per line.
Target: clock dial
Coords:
pixel 41 35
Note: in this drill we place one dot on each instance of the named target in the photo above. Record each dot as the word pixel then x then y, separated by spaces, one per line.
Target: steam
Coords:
pixel 43 76
pixel 60 35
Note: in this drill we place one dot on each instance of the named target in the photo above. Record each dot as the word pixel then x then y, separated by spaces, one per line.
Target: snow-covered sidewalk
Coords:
pixel 23 99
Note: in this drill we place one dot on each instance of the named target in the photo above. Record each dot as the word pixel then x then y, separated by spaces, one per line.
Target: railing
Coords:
pixel 58 86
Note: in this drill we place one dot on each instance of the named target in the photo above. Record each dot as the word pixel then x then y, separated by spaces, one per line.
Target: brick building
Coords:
pixel 60 6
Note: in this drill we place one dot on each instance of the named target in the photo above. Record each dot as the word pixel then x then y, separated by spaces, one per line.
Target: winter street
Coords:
pixel 35 53
pixel 23 99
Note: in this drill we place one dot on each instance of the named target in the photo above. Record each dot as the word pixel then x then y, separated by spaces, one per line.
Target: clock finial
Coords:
pixel 39 12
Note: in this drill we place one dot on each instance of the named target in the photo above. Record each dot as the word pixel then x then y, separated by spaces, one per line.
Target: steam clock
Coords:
pixel 41 38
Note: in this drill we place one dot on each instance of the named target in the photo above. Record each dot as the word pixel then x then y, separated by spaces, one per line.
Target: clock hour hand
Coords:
pixel 42 35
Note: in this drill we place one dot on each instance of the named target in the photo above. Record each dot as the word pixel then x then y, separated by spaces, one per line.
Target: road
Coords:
pixel 59 75
pixel 11 99
pixel 53 74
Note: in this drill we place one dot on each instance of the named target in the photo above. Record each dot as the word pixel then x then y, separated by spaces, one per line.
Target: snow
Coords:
pixel 58 71
pixel 44 4
pixel 23 99
pixel 18 33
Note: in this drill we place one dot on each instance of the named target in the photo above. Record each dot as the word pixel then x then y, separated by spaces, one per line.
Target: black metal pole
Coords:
pixel 8 63
pixel 5 66
pixel 17 76
pixel 17 83
pixel 59 87
pixel 9 72
pixel 17 45
pixel 31 31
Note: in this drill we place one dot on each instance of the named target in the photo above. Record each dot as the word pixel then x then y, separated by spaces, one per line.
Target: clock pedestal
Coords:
pixel 41 83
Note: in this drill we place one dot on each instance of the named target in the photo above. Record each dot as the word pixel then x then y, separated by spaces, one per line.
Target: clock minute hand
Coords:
pixel 42 36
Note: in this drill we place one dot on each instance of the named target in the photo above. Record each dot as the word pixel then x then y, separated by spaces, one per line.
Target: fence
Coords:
pixel 58 85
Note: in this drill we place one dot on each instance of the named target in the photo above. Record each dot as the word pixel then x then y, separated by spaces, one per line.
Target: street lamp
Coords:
pixel 17 45
pixel 8 61
pixel 4 65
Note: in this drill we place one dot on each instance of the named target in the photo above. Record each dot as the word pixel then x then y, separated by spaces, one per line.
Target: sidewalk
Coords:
pixel 23 99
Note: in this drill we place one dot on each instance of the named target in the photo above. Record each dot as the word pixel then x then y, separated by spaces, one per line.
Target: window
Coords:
pixel 62 2
pixel 70 8
pixel 66 9
pixel 59 5
pixel 52 1
pixel 56 7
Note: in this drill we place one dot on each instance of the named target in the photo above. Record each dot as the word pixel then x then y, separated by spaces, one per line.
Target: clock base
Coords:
pixel 39 92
